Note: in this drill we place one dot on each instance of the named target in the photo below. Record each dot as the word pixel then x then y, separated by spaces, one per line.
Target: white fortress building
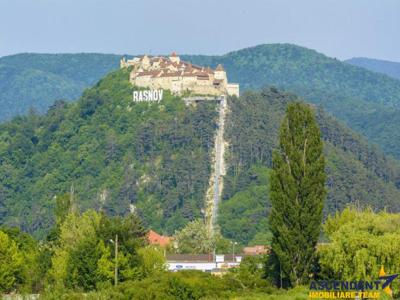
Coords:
pixel 178 76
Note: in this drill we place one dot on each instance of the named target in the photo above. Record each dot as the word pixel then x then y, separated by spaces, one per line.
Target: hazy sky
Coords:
pixel 339 28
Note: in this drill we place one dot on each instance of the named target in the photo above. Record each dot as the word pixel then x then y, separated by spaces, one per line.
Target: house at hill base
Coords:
pixel 155 239
pixel 256 250
pixel 178 76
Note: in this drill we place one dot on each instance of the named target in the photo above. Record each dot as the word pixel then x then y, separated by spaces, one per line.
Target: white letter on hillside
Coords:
pixel 160 95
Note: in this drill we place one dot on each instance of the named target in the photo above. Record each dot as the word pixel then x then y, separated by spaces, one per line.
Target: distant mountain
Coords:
pixel 38 80
pixel 113 153
pixel 389 68
pixel 366 101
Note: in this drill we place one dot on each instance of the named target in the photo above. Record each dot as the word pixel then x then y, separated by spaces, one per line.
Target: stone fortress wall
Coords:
pixel 178 76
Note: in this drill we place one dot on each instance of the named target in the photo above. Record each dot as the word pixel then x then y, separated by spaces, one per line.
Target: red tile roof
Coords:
pixel 259 249
pixel 148 73
pixel 167 68
pixel 155 239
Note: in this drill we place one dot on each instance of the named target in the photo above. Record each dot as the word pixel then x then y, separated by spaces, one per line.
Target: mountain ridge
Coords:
pixel 390 68
pixel 366 101
pixel 360 98
pixel 36 81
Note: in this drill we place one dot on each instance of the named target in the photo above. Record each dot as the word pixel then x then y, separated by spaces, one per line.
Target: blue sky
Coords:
pixel 338 28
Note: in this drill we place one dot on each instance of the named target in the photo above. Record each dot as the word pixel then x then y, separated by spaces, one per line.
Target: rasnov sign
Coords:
pixel 148 96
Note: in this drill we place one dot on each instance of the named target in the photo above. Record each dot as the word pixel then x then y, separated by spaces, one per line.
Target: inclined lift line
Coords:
pixel 211 214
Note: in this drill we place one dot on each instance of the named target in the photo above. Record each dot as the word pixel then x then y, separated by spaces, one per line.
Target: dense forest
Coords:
pixel 389 68
pixel 114 155
pixel 38 80
pixel 111 154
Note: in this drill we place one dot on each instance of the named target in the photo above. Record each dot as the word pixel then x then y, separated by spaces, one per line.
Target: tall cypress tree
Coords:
pixel 297 192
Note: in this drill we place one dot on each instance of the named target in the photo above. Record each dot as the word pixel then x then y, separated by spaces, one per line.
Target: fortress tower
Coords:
pixel 220 73
pixel 174 58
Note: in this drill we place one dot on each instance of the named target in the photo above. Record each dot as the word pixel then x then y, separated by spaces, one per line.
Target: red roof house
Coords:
pixel 155 239
pixel 256 250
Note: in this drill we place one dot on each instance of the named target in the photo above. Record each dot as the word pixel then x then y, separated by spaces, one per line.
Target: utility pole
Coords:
pixel 115 242
pixel 280 272
pixel 116 261
pixel 72 207
pixel 233 250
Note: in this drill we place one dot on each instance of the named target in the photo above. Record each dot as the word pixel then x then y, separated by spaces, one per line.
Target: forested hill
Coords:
pixel 366 101
pixel 389 68
pixel 358 173
pixel 37 80
pixel 112 153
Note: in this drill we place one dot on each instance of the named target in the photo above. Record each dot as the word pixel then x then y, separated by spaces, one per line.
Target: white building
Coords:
pixel 201 262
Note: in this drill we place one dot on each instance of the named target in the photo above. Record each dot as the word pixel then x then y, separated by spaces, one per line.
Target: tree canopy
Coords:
pixel 359 243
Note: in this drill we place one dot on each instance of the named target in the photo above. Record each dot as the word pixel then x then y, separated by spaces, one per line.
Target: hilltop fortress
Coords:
pixel 178 76
pixel 197 84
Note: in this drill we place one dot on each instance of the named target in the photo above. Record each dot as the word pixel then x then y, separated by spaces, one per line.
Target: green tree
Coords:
pixel 297 193
pixel 131 236
pixel 83 256
pixel 249 275
pixel 152 261
pixel 63 208
pixel 261 238
pixel 78 233
pixel 30 274
pixel 194 238
pixel 82 270
pixel 11 261
pixel 360 242
pixel 105 265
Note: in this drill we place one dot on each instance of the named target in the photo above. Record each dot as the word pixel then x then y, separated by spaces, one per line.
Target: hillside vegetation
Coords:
pixel 116 155
pixel 358 174
pixel 38 80
pixel 111 153
pixel 366 101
